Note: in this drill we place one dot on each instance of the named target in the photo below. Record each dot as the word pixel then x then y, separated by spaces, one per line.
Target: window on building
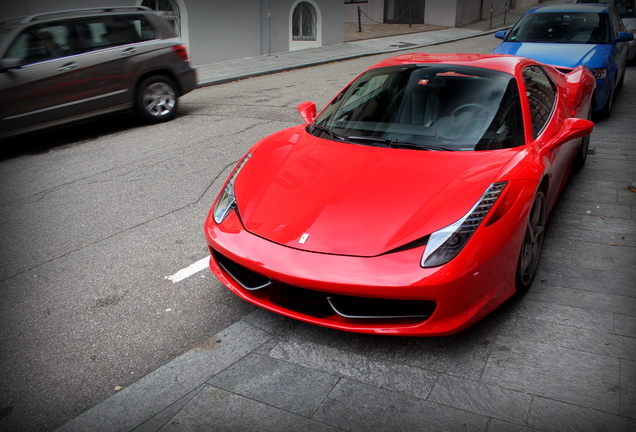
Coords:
pixel 304 24
pixel 170 10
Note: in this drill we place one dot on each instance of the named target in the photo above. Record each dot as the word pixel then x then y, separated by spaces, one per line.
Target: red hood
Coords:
pixel 355 199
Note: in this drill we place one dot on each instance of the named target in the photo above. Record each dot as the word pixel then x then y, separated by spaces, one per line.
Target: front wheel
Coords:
pixel 157 99
pixel 532 243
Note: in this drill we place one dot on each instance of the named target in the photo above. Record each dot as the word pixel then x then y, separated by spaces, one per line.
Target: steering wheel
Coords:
pixel 473 108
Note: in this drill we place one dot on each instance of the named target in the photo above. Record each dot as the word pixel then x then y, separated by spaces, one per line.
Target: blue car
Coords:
pixel 569 35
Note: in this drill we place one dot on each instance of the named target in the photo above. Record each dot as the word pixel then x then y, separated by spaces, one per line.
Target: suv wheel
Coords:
pixel 157 99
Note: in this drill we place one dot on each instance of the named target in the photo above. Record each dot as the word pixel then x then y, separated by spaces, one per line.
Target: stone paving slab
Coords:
pixel 284 385
pixel 360 408
pixel 152 394
pixel 553 372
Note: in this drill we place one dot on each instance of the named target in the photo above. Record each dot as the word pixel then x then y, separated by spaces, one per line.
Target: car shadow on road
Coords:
pixel 46 140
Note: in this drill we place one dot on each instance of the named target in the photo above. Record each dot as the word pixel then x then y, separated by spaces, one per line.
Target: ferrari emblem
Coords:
pixel 303 238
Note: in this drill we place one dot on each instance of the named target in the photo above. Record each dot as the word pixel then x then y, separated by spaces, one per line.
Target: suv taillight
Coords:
pixel 181 51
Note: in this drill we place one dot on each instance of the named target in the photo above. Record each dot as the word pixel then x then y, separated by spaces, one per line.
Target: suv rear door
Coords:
pixel 115 46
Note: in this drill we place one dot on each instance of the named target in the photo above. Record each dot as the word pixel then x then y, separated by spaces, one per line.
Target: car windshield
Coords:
pixel 625 8
pixel 562 27
pixel 428 107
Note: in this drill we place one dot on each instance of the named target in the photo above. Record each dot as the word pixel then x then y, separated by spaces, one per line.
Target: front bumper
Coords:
pixel 386 294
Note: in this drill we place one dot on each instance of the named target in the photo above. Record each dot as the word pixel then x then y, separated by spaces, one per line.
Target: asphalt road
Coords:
pixel 95 218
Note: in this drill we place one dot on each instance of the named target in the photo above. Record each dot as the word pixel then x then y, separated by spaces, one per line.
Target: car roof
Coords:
pixel 578 7
pixel 501 62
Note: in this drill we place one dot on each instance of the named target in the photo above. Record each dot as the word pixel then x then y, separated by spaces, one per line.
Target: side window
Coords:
pixel 144 29
pixel 541 97
pixel 114 31
pixel 41 43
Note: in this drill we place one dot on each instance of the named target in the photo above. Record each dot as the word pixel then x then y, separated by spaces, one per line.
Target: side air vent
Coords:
pixel 246 278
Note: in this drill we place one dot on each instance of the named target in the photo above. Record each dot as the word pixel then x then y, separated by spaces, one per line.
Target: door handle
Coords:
pixel 67 67
pixel 129 51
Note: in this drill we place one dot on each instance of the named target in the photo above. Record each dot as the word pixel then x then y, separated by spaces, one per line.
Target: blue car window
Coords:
pixel 562 27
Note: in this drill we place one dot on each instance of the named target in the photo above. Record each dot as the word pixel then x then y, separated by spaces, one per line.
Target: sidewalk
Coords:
pixel 559 359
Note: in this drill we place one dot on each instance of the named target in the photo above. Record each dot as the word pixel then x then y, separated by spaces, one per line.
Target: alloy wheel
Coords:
pixel 159 99
pixel 532 243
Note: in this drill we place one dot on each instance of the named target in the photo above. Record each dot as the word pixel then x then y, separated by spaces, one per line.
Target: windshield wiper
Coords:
pixel 395 143
pixel 329 132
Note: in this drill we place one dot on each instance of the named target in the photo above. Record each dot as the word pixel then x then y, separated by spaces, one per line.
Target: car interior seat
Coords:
pixel 421 102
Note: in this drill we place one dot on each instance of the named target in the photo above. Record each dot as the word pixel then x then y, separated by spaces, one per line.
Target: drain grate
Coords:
pixel 402 45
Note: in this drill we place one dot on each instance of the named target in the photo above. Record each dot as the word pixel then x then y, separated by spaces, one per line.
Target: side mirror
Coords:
pixel 573 128
pixel 307 111
pixel 9 63
pixel 624 37
pixel 501 34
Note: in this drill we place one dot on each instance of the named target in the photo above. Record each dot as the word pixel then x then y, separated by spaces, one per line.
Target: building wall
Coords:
pixel 522 3
pixel 220 30
pixel 11 8
pixel 441 12
pixel 468 11
pixel 373 12
pixel 456 13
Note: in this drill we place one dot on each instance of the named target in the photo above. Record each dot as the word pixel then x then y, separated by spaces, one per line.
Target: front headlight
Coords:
pixel 445 244
pixel 599 73
pixel 227 201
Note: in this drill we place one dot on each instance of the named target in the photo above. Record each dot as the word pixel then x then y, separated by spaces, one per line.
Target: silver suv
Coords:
pixel 64 66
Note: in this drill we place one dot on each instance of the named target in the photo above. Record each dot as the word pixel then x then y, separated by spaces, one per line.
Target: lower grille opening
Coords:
pixel 246 278
pixel 301 300
pixel 321 304
pixel 361 307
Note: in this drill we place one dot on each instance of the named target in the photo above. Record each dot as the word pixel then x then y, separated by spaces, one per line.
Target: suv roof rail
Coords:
pixel 11 20
pixel 34 17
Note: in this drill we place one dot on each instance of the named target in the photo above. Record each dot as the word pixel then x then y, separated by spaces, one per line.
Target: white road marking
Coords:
pixel 190 270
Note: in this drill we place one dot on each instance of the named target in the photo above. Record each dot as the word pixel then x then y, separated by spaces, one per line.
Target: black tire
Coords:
pixel 622 81
pixel 157 99
pixel 531 246
pixel 607 108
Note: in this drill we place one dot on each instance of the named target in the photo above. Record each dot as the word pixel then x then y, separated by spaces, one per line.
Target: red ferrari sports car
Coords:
pixel 414 203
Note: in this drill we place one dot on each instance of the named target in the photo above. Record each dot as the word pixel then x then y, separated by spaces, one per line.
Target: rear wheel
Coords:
pixel 532 243
pixel 157 99
pixel 607 108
